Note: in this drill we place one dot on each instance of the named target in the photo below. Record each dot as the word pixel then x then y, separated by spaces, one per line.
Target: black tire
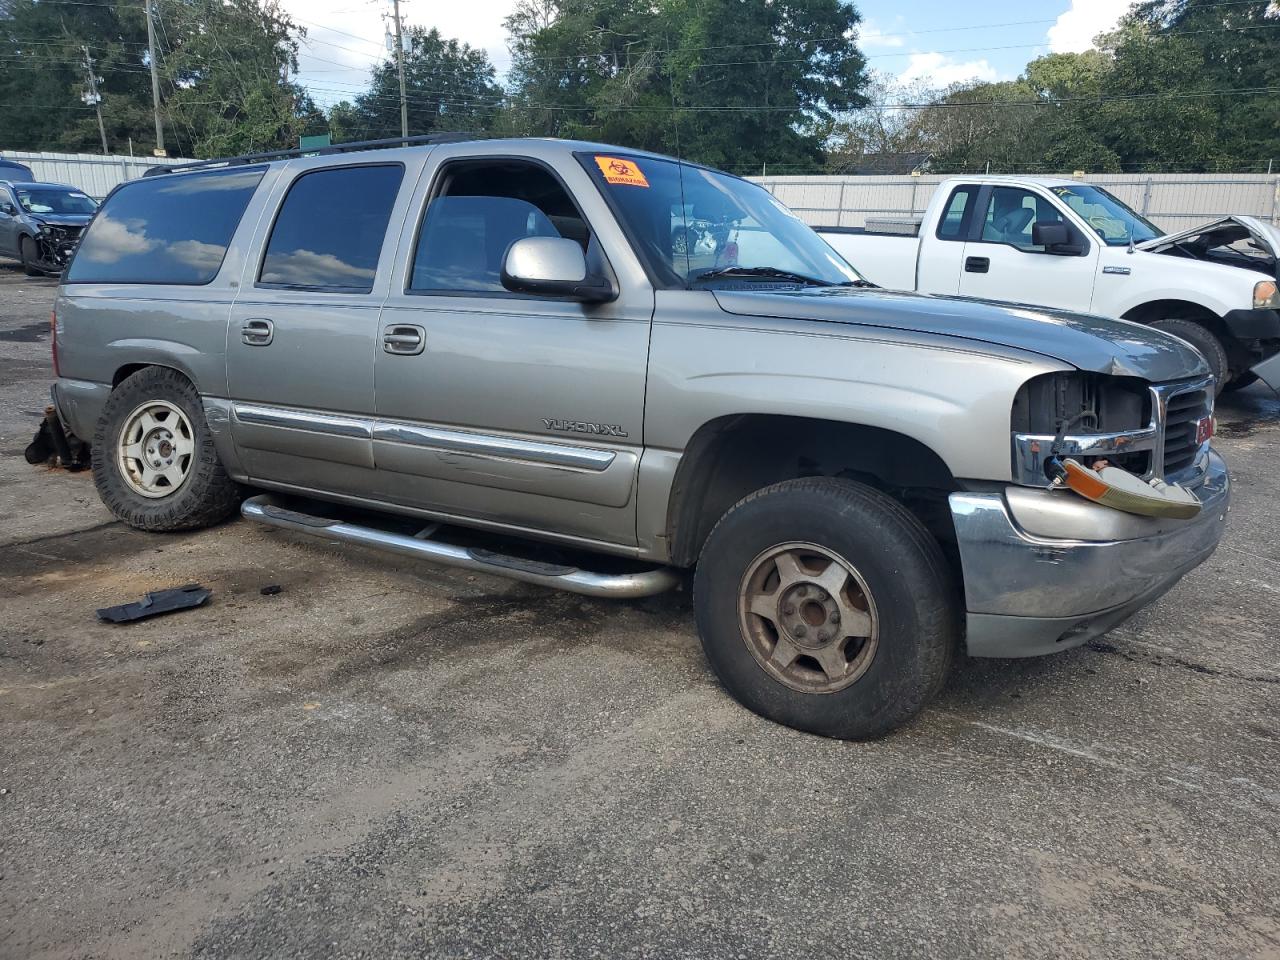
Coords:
pixel 1240 381
pixel 906 574
pixel 205 496
pixel 1204 340
pixel 30 261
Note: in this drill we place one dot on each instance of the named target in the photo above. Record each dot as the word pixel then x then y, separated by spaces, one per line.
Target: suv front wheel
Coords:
pixel 825 605
pixel 154 462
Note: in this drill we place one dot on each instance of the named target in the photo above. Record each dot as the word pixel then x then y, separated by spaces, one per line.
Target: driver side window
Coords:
pixel 1010 215
pixel 479 209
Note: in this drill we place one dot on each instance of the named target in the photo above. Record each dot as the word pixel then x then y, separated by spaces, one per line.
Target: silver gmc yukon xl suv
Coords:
pixel 619 353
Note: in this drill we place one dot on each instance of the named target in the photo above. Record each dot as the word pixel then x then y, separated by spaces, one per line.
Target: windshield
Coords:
pixel 52 200
pixel 704 228
pixel 1112 220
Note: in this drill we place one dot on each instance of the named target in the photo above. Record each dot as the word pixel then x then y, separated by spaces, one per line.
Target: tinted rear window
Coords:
pixel 173 228
pixel 330 229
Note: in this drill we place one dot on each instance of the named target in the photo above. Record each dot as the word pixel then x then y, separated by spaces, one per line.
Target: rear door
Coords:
pixel 303 330
pixel 1002 263
pixel 515 409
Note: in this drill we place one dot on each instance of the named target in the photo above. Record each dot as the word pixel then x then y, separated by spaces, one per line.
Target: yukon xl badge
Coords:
pixel 584 426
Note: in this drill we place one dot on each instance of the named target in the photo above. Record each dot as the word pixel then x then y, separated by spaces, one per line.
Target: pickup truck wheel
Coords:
pixel 154 462
pixel 825 605
pixel 1240 381
pixel 1205 341
pixel 30 257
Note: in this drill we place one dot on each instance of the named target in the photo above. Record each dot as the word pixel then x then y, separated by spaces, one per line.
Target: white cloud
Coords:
pixel 871 37
pixel 113 239
pixel 940 70
pixel 1075 29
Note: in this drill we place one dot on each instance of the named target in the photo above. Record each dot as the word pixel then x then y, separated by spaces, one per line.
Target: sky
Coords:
pixel 938 41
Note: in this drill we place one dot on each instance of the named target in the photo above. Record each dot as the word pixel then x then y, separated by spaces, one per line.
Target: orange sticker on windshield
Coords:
pixel 621 171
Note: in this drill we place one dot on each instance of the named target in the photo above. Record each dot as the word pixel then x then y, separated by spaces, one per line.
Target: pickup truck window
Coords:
pixel 1010 215
pixel 329 232
pixel 172 229
pixel 1111 219
pixel 685 221
pixel 954 224
pixel 481 207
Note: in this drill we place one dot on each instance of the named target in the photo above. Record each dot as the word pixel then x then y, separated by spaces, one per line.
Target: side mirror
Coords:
pixel 8 209
pixel 1055 237
pixel 553 267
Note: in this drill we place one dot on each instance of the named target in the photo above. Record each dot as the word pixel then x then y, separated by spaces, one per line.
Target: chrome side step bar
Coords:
pixel 264 509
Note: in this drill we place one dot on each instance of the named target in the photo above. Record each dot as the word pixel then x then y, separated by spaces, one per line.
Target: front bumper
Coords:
pixel 1048 570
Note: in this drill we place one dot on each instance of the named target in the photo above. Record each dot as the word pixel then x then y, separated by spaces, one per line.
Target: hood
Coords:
pixel 62 219
pixel 1257 243
pixel 1114 347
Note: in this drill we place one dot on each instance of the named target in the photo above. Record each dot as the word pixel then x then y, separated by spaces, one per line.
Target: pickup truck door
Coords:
pixel 509 409
pixel 1001 262
pixel 303 329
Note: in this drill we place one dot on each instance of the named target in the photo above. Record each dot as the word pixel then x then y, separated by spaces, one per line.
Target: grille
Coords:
pixel 1185 412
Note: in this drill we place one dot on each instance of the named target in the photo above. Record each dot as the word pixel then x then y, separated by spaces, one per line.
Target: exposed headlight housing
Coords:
pixel 1266 296
pixel 46 229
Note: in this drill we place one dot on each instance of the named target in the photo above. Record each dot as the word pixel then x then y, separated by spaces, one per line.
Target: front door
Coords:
pixel 508 408
pixel 10 225
pixel 302 332
pixel 1002 263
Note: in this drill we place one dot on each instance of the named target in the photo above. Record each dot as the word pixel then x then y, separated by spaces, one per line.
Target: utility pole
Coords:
pixel 155 82
pixel 404 103
pixel 94 97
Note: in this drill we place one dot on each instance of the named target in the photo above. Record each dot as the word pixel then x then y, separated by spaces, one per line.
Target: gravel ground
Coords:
pixel 391 759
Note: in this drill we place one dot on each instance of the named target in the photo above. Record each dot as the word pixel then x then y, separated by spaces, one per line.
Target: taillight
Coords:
pixel 53 339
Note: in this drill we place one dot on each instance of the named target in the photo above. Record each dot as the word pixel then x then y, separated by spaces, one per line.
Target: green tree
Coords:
pixel 224 76
pixel 448 86
pixel 723 82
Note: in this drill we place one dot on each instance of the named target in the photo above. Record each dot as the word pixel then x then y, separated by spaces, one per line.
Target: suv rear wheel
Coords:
pixel 154 462
pixel 826 606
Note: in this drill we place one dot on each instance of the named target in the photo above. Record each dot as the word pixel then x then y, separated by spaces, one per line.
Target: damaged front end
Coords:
pixel 55 243
pixel 1245 243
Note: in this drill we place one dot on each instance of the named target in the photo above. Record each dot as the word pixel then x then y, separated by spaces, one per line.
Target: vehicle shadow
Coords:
pixel 1240 412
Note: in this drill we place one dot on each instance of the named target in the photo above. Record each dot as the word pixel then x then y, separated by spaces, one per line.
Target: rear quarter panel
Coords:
pixel 104 327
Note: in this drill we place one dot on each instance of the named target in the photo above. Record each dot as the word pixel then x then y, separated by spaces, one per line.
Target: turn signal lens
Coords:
pixel 1265 296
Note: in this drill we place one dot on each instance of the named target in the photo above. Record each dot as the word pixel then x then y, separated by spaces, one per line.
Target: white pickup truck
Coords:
pixel 1071 245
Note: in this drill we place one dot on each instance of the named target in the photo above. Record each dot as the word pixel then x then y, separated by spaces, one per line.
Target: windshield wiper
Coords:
pixel 771 273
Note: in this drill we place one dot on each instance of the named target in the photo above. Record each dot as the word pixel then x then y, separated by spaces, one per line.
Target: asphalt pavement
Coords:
pixel 390 759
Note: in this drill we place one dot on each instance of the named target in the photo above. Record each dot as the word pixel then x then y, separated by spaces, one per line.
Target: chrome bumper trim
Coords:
pixel 1020 587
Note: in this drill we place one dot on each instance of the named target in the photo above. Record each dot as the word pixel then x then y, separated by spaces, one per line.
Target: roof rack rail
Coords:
pixel 389 142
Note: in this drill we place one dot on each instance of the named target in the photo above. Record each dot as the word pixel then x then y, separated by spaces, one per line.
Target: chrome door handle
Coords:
pixel 257 333
pixel 404 339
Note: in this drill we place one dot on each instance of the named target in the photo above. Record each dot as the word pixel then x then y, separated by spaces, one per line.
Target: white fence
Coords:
pixel 1171 201
pixel 93 173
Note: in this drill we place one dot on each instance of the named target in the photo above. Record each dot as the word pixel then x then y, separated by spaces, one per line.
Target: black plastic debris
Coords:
pixel 156 603
pixel 271 589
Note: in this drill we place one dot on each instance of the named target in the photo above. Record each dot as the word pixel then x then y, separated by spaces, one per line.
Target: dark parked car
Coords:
pixel 15 172
pixel 41 223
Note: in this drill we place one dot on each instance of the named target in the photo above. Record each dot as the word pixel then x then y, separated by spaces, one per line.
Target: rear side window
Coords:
pixel 172 228
pixel 954 224
pixel 330 229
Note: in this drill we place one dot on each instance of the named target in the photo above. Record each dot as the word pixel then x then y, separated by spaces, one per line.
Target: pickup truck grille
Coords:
pixel 1183 414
